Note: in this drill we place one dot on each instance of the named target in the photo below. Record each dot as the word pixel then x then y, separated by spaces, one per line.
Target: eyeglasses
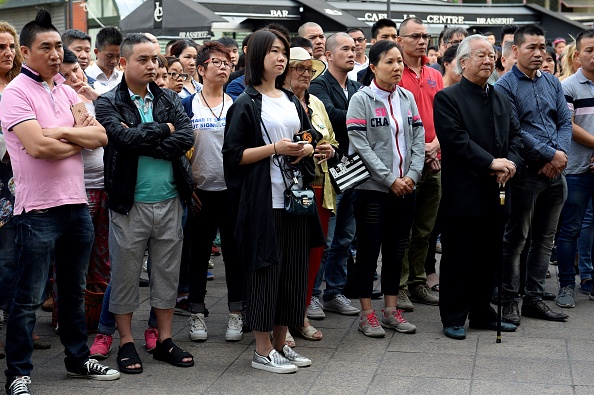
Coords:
pixel 418 36
pixel 359 40
pixel 301 70
pixel 175 76
pixel 218 62
pixel 453 42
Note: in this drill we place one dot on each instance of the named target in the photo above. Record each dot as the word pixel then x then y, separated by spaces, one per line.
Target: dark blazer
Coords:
pixel 474 128
pixel 329 91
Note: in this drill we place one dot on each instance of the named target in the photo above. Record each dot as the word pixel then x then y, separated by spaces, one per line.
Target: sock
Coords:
pixel 388 310
pixel 365 313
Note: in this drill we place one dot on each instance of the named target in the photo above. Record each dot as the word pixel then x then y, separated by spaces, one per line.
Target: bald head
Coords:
pixel 406 24
pixel 336 39
pixel 314 33
pixel 154 40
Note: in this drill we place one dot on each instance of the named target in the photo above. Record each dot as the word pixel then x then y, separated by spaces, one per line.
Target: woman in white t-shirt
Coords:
pixel 208 111
pixel 273 245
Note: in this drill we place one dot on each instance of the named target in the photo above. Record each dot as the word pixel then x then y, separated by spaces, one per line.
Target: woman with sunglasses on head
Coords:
pixel 261 160
pixel 208 112
pixel 385 129
pixel 186 51
pixel 302 70
pixel 176 74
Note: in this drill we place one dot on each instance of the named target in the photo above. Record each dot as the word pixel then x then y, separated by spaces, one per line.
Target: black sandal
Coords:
pixel 127 356
pixel 175 357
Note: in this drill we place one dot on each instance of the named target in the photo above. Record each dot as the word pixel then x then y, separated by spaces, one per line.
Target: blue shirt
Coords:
pixel 540 107
pixel 236 87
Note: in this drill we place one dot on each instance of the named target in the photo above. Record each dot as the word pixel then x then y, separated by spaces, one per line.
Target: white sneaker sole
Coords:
pixel 233 337
pixel 275 369
pixel 302 364
pixel 107 377
pixel 343 312
pixel 318 315
pixel 198 337
pixel 371 334
pixel 409 330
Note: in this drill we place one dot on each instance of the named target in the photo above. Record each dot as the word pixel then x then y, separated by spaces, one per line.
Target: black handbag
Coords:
pixel 297 201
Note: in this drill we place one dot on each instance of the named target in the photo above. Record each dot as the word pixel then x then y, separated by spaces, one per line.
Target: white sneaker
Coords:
pixel 234 328
pixel 315 310
pixel 341 305
pixel 198 331
pixel 274 362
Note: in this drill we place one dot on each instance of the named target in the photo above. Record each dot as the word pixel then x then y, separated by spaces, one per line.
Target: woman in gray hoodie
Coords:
pixel 385 129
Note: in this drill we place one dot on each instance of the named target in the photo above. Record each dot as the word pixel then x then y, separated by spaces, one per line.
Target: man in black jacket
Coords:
pixel 145 179
pixel 481 144
pixel 335 90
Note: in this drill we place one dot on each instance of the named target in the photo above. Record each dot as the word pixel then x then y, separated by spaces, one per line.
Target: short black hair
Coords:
pixel 583 34
pixel 260 44
pixel 377 51
pixel 553 54
pixel 41 24
pixel 245 41
pixel 109 35
pixel 487 34
pixel 527 30
pixel 73 34
pixel 432 47
pixel 354 29
pixel 205 51
pixel 279 28
pixel 228 42
pixel 302 42
pixel 180 45
pixel 127 46
pixel 380 24
pixel 450 32
pixel 507 29
pixel 69 57
pixel 448 57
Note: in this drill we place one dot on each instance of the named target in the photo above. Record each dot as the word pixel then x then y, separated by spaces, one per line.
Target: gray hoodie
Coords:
pixel 371 137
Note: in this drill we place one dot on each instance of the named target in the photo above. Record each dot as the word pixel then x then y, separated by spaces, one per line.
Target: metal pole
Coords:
pixel 70 17
pixel 388 10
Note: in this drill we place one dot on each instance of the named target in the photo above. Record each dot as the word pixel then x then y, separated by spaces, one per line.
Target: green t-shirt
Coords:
pixel 154 180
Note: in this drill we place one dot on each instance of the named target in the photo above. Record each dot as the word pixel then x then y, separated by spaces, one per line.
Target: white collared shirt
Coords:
pixel 95 72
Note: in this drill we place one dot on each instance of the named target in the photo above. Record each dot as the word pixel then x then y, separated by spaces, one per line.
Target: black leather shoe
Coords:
pixel 510 313
pixel 505 327
pixel 142 282
pixel 543 312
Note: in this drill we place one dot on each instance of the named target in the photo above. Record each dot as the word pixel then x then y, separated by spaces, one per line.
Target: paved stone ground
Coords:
pixel 540 358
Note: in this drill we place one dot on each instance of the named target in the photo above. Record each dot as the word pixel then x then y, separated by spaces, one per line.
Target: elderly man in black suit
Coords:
pixel 481 150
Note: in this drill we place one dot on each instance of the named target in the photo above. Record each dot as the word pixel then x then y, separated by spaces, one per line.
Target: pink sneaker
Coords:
pixel 101 346
pixel 151 335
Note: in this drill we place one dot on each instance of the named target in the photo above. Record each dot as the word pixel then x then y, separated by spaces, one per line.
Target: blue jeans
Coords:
pixel 584 245
pixel 65 233
pixel 536 203
pixel 8 263
pixel 341 232
pixel 580 191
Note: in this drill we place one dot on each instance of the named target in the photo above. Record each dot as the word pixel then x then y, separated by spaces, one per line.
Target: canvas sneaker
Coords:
pixel 93 370
pixel 198 331
pixel 151 335
pixel 566 297
pixel 397 322
pixel 315 311
pixel 370 326
pixel 234 328
pixel 101 346
pixel 295 358
pixel 19 386
pixel 341 305
pixel 274 362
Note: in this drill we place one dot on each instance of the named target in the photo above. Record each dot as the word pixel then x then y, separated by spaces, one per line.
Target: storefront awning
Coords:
pixel 332 18
pixel 179 18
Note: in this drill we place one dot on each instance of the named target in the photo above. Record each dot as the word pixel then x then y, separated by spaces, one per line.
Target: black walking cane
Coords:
pixel 500 276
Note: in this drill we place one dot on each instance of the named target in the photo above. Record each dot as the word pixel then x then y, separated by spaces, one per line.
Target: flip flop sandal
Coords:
pixel 127 355
pixel 289 341
pixel 174 357
pixel 308 332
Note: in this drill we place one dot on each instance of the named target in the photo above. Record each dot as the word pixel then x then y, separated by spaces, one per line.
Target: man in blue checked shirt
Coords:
pixel 539 191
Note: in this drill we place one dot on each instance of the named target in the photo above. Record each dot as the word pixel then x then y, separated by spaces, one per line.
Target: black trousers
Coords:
pixel 472 250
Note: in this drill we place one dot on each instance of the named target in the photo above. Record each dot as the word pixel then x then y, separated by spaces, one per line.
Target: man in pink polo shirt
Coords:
pixel 51 213
pixel 424 82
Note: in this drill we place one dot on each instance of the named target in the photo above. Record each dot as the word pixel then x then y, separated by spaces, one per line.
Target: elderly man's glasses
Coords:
pixel 301 70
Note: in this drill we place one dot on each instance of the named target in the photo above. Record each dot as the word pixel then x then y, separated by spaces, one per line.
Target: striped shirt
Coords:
pixel 579 93
pixel 540 107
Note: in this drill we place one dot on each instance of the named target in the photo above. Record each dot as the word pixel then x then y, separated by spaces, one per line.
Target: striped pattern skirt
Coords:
pixel 275 295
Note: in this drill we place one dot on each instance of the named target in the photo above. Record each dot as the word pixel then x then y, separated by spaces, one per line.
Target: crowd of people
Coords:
pixel 140 159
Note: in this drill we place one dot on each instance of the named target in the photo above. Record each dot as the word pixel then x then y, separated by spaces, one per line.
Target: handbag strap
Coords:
pixel 294 181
